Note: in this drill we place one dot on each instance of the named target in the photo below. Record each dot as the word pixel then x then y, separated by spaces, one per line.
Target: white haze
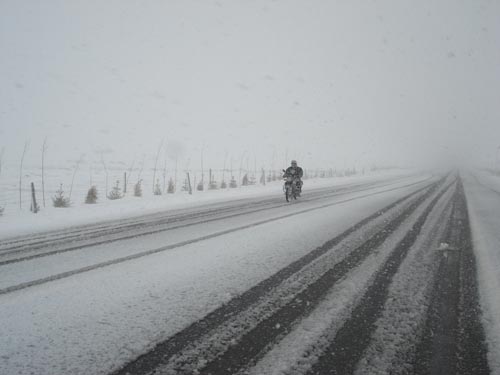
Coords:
pixel 331 83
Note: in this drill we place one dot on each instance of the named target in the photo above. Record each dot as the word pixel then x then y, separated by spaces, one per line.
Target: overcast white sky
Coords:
pixel 333 82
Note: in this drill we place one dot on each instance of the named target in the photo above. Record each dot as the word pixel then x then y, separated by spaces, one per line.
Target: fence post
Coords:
pixel 34 206
pixel 189 184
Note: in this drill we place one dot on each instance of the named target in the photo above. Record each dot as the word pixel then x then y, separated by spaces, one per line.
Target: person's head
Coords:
pixel 294 163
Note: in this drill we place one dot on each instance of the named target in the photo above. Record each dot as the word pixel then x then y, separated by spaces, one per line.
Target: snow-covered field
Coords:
pixel 18 222
pixel 211 277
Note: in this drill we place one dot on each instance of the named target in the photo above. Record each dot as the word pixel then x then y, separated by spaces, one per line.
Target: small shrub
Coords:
pixel 138 189
pixel 200 187
pixel 157 190
pixel 91 195
pixel 244 180
pixel 1 210
pixel 223 185
pixel 116 192
pixel 171 186
pixel 59 200
pixel 232 183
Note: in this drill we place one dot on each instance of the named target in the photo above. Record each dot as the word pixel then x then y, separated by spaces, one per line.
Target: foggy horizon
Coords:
pixel 332 84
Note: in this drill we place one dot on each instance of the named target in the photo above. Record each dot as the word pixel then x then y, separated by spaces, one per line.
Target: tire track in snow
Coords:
pixel 399 328
pixel 106 228
pixel 352 339
pixel 115 261
pixel 454 339
pixel 254 344
pixel 165 350
pixel 195 216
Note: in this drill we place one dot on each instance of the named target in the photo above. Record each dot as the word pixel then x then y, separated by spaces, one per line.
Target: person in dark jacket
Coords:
pixel 295 171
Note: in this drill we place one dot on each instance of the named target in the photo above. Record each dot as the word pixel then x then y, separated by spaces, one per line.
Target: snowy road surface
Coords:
pixel 368 278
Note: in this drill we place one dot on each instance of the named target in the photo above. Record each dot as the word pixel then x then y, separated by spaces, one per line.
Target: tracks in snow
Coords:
pixel 235 337
pixel 453 338
pixel 154 223
pixel 139 254
pixel 395 293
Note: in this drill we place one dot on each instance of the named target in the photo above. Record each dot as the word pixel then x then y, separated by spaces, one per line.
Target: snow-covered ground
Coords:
pixel 483 198
pixel 96 305
pixel 93 322
pixel 18 222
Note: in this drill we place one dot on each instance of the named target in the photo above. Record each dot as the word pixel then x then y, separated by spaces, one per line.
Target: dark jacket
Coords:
pixel 295 172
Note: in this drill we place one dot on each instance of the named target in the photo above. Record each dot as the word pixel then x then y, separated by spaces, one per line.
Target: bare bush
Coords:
pixel 171 186
pixel 157 190
pixel 138 189
pixel 59 200
pixel 26 144
pixel 233 184
pixel 115 193
pixel 91 195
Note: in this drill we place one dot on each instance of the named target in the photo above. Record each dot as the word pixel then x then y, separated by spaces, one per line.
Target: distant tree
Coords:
pixel 263 177
pixel 141 167
pixel 157 190
pixel 164 186
pixel 156 164
pixel 130 170
pixel 91 195
pixel 233 183
pixel 115 193
pixel 1 210
pixel 171 186
pixel 44 149
pixel 175 179
pixel 105 171
pixel 212 184
pixel 245 181
pixel 223 184
pixel 138 189
pixel 59 200
pixel 200 187
pixel 77 165
pixel 26 144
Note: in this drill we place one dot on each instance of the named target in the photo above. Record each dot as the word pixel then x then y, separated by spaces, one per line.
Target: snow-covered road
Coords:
pixel 249 286
pixel 483 198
